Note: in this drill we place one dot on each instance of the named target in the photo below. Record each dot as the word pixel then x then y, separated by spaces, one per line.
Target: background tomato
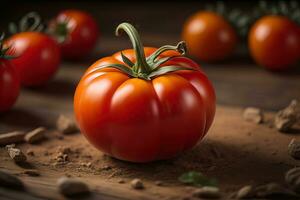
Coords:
pixel 77 30
pixel 274 42
pixel 209 36
pixel 136 119
pixel 9 85
pixel 37 57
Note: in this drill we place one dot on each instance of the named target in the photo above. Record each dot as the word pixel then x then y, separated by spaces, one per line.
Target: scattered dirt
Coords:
pixel 285 119
pixel 228 153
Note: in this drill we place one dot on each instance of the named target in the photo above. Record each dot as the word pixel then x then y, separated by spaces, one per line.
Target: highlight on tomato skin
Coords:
pixel 76 31
pixel 37 57
pixel 9 79
pixel 144 104
pixel 37 54
pixel 274 42
pixel 9 85
pixel 209 36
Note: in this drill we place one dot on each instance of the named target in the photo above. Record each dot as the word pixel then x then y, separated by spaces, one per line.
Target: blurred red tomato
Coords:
pixel 209 36
pixel 37 57
pixel 77 32
pixel 9 85
pixel 274 42
pixel 129 114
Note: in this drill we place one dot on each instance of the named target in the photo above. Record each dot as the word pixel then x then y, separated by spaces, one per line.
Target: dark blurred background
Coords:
pixel 164 17
pixel 238 80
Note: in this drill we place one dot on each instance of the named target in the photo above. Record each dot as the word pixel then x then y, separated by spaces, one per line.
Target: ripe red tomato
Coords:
pixel 9 85
pixel 209 36
pixel 37 57
pixel 148 104
pixel 78 31
pixel 274 42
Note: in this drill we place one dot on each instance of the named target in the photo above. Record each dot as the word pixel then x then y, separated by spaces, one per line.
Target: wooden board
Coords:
pixel 235 152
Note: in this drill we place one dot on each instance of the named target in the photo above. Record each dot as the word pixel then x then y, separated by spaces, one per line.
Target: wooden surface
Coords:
pixel 250 154
pixel 234 152
pixel 246 153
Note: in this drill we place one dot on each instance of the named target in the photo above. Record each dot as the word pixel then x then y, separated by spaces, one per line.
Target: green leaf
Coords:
pixel 180 47
pixel 126 60
pixel 120 67
pixel 197 179
pixel 161 61
pixel 167 69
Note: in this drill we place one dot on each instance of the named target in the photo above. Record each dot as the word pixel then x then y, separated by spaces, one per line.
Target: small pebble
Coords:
pixel 66 125
pixel 11 137
pixel 286 118
pixel 16 154
pixel 71 187
pixel 207 192
pixel 273 189
pixel 137 184
pixel 35 135
pixel 294 149
pixel 292 178
pixel 245 192
pixel 10 181
pixel 254 115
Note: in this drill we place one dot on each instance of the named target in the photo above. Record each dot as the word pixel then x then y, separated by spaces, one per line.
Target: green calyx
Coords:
pixel 3 50
pixel 60 31
pixel 150 67
pixel 30 22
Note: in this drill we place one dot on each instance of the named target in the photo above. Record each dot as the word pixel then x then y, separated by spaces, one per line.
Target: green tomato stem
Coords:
pixel 141 66
pixel 150 67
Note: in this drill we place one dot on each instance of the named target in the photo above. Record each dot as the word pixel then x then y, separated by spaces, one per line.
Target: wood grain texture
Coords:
pixel 250 154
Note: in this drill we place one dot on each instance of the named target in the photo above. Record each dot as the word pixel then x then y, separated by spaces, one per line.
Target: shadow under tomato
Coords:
pixel 228 164
pixel 20 118
pixel 26 165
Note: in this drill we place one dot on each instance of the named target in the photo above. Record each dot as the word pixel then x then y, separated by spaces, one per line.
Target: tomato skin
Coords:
pixel 9 85
pixel 37 57
pixel 274 42
pixel 141 121
pixel 83 33
pixel 209 37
